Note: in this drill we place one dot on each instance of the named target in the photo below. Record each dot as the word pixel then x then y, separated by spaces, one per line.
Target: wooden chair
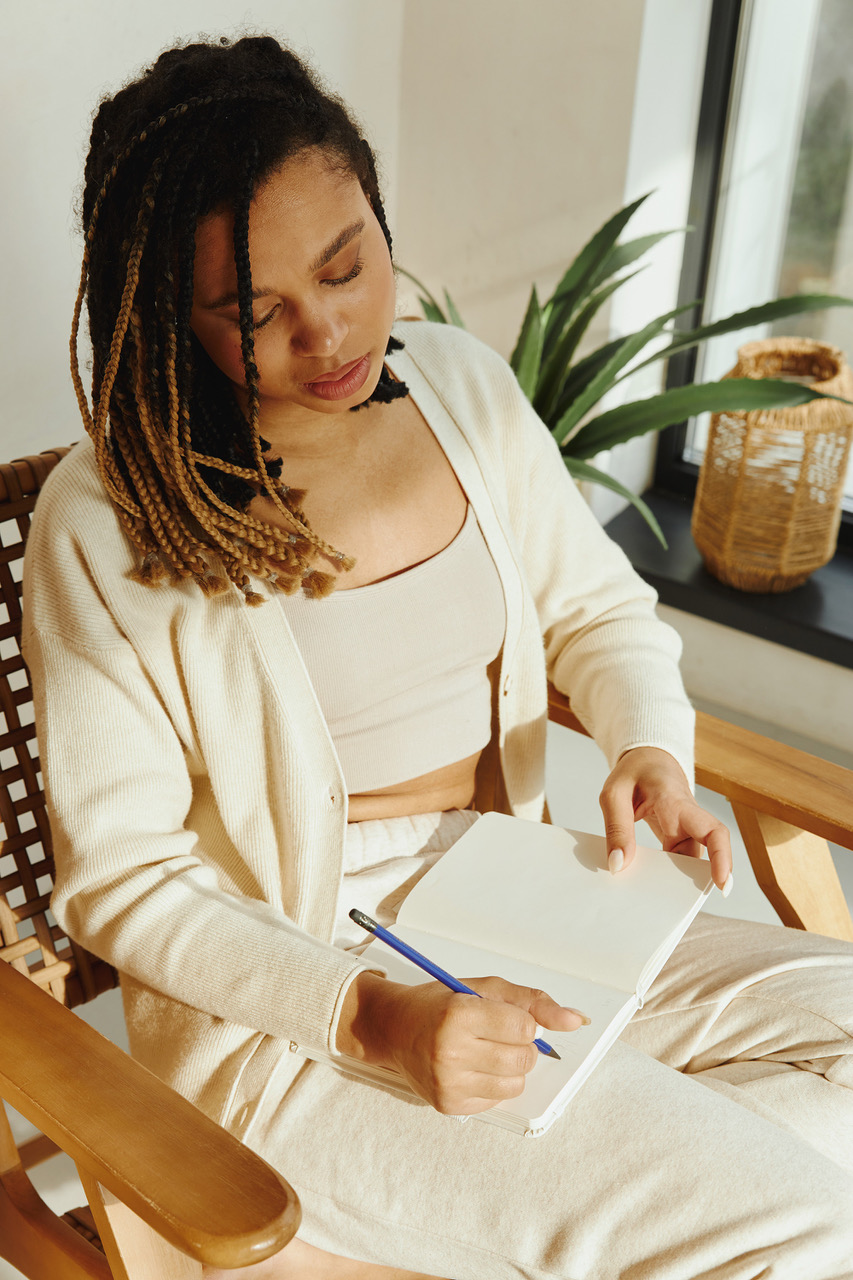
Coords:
pixel 167 1188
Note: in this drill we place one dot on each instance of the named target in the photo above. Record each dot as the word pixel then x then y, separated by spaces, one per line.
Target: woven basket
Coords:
pixel 768 502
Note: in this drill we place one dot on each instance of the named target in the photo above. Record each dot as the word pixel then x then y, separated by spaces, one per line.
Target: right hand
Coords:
pixel 459 1053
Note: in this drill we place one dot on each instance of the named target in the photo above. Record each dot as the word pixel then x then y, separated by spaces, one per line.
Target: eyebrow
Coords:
pixel 341 240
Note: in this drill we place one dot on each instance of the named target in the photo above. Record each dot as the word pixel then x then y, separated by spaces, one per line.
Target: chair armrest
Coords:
pixel 769 776
pixel 801 789
pixel 193 1183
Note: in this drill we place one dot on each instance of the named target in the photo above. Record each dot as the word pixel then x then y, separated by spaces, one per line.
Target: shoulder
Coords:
pixel 446 351
pixel 75 520
pixel 77 553
pixel 73 491
pixel 474 384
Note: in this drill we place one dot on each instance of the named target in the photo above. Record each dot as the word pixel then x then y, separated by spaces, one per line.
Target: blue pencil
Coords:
pixel 428 967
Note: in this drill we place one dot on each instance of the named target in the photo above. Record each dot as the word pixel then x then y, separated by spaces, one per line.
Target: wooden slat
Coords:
pixel 796 872
pixel 25 476
pixel 32 1237
pixel 10 1156
pixel 37 1242
pixel 776 779
pixel 133 1250
pixel 66 971
pixel 36 1151
pixel 197 1186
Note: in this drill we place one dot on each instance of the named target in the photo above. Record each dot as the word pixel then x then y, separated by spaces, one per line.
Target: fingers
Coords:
pixel 555 1017
pixel 720 852
pixel 540 1008
pixel 689 829
pixel 476 1053
pixel 480 1091
pixel 617 808
pixel 489 1050
pixel 461 1053
pixel 649 783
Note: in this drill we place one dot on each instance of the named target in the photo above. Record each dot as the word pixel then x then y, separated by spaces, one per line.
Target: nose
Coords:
pixel 319 330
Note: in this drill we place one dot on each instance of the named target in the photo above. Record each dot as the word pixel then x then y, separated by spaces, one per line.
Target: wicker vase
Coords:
pixel 768 502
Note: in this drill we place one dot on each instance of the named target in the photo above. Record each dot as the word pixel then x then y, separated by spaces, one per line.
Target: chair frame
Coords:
pixel 168 1188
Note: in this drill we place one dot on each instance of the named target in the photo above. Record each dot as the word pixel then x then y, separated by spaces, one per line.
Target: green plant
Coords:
pixel 565 391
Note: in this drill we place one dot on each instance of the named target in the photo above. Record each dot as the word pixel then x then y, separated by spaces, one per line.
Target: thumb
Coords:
pixel 541 1007
pixel 553 1016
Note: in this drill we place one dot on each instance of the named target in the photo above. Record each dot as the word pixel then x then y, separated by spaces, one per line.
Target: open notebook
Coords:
pixel 537 905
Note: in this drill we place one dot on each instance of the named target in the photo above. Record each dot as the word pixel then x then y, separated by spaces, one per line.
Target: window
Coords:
pixel 772 198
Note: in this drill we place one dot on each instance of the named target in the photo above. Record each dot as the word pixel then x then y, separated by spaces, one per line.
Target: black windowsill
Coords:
pixel 816 618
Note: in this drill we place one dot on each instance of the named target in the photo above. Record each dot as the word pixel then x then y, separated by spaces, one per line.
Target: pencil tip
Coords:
pixel 553 1054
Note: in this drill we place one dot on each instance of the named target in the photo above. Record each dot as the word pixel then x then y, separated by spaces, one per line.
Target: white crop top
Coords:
pixel 399 666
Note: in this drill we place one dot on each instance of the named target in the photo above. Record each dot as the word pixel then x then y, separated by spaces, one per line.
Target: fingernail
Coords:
pixel 585 1021
pixel 727 887
pixel 615 860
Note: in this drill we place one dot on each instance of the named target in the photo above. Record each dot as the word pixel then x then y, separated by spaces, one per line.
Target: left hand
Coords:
pixel 648 783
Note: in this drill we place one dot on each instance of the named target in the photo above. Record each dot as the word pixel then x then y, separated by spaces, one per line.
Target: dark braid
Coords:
pixel 197 133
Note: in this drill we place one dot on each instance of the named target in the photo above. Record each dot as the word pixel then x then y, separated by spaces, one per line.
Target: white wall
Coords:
pixel 793 696
pixel 57 61
pixel 514 138
pixel 664 122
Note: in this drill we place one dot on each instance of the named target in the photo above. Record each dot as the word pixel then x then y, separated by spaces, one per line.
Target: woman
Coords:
pixel 405 533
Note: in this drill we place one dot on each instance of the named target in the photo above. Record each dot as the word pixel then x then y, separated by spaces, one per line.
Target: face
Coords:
pixel 323 289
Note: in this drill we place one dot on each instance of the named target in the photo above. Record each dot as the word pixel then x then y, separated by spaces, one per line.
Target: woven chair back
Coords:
pixel 30 939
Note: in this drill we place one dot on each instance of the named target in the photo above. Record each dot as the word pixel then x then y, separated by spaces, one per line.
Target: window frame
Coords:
pixel 673 474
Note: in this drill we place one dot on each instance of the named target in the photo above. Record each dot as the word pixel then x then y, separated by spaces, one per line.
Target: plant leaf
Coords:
pixel 528 349
pixel 606 376
pixel 596 250
pixel 555 316
pixel 581 374
pixel 792 305
pixel 557 368
pixel 582 470
pixel 576 281
pixel 732 394
pixel 433 311
pixel 622 255
pixel 558 310
pixel 452 312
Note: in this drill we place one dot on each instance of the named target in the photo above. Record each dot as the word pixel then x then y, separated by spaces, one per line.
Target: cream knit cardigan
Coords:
pixel 196 801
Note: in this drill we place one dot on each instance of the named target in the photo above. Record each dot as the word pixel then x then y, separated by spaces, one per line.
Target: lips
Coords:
pixel 341 382
pixel 336 374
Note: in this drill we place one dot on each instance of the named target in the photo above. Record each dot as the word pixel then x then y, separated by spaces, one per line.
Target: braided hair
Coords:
pixel 199 131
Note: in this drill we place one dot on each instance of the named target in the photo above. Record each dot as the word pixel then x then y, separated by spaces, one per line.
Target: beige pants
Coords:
pixel 715 1140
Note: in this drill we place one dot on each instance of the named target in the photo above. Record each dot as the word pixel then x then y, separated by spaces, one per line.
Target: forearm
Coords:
pixel 623 679
pixel 238 959
pixel 605 646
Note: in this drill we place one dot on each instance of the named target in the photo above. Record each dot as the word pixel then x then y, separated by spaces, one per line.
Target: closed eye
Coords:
pixel 334 282
pixel 259 324
pixel 351 275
